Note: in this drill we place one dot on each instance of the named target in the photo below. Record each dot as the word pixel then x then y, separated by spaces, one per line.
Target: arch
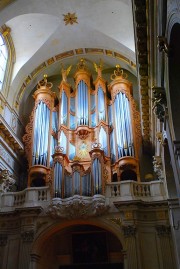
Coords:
pixel 128 175
pixel 10 59
pixel 3 60
pixel 174 78
pixel 42 237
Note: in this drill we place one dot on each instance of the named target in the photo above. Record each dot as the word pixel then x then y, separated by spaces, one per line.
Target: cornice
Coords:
pixel 139 204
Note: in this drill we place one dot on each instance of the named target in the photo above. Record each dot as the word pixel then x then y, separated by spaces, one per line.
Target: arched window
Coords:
pixel 3 59
pixel 7 58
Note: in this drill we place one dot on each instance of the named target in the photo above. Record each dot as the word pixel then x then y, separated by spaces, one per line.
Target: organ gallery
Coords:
pixel 85 136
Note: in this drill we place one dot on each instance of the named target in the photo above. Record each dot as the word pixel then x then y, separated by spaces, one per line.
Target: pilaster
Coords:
pixel 130 239
pixel 164 233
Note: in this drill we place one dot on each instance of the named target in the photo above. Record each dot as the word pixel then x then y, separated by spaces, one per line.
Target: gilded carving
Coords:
pixel 117 221
pixel 128 215
pixel 65 72
pixel 27 138
pixel 70 18
pixel 64 55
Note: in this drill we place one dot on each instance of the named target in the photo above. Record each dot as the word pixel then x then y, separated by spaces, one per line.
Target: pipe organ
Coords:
pixel 89 137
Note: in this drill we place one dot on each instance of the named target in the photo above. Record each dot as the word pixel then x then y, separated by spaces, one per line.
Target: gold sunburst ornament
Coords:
pixel 70 18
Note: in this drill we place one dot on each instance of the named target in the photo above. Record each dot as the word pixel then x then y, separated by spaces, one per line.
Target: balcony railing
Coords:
pixel 132 190
pixel 30 197
pixel 115 192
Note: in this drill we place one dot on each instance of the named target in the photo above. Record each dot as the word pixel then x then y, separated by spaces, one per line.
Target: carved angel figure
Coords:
pixel 98 68
pixel 65 73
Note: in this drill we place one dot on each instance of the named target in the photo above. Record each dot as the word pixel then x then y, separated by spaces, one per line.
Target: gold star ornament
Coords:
pixel 70 18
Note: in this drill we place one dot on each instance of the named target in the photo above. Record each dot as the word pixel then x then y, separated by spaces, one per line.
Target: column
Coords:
pixel 130 241
pixel 163 233
pixel 26 242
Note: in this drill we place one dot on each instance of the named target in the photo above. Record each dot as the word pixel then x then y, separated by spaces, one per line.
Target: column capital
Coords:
pixel 27 236
pixel 129 230
pixel 163 230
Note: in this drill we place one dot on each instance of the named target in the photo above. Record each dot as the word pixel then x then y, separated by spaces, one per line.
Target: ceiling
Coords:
pixel 40 33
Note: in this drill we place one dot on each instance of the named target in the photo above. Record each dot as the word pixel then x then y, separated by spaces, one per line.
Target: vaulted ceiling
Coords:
pixel 43 36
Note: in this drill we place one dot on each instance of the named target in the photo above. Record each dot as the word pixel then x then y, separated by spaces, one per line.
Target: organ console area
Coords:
pixel 86 136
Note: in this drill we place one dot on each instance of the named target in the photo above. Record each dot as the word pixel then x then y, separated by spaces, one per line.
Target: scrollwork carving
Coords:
pixel 78 207
pixel 27 138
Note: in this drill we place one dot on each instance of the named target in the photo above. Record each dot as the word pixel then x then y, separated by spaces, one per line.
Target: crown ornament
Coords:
pixel 118 73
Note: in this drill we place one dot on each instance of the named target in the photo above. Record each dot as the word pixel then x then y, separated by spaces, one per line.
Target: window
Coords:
pixel 3 60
